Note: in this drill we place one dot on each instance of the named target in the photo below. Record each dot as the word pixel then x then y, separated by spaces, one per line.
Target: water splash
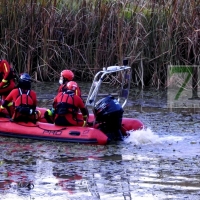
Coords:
pixel 147 136
pixel 144 136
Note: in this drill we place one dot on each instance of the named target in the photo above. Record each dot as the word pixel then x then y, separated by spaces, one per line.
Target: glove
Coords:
pixel 2 114
pixel 50 112
pixel 48 116
pixel 84 123
pixel 3 83
pixel 1 108
pixel 85 117
pixel 37 114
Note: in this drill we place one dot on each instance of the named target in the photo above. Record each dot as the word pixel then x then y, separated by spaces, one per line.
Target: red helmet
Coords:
pixel 67 74
pixel 72 85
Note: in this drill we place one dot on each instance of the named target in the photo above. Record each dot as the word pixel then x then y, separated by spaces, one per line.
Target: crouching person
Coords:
pixel 21 102
pixel 7 83
pixel 66 107
pixel 109 113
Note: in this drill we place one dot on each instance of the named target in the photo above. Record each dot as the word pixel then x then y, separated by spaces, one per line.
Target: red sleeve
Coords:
pixel 55 101
pixel 79 102
pixel 60 88
pixel 12 95
pixel 81 106
pixel 5 69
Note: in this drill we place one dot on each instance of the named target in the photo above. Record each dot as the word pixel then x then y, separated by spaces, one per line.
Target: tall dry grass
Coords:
pixel 44 37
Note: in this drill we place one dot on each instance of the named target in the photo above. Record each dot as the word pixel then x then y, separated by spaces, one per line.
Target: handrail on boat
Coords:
pixel 125 82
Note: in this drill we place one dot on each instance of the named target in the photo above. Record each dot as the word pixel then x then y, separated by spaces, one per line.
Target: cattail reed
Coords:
pixel 44 37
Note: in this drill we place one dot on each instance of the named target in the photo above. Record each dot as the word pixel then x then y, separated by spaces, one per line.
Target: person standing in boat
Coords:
pixel 7 82
pixel 21 102
pixel 66 108
pixel 65 77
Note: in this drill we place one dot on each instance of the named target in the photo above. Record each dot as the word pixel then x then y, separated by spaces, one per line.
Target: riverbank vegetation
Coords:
pixel 42 37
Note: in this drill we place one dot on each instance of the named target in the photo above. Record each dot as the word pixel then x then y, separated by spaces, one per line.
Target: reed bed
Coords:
pixel 43 37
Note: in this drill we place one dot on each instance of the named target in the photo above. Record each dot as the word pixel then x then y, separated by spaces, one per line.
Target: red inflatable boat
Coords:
pixel 46 131
pixel 91 135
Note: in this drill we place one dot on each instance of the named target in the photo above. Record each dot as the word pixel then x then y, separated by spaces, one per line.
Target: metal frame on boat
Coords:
pixel 124 72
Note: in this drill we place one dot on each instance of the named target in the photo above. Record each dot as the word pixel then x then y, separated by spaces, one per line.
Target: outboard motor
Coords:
pixel 109 113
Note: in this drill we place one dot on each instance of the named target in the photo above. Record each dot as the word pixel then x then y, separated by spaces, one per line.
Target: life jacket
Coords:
pixel 76 92
pixel 24 103
pixel 64 107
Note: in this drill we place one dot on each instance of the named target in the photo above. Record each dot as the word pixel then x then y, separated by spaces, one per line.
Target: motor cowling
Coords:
pixel 105 107
pixel 109 113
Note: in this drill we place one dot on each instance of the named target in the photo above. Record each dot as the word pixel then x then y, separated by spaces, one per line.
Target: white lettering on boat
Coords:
pixel 52 132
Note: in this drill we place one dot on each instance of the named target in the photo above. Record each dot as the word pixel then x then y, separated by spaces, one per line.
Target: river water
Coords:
pixel 161 162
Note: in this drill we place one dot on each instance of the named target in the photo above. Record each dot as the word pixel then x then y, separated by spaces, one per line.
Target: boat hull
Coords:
pixel 45 131
pixel 127 123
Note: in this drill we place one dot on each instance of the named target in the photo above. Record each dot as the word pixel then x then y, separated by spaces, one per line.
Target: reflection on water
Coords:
pixel 158 163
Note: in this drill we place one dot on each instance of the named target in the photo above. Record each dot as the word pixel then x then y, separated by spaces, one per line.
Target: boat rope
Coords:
pixel 61 129
pixel 25 125
pixel 5 121
pixel 64 128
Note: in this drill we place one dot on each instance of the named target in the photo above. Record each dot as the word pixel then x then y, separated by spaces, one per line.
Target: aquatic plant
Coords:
pixel 43 37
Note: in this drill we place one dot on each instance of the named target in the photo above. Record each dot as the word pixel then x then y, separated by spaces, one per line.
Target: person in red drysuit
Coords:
pixel 66 107
pixel 23 100
pixel 65 77
pixel 7 79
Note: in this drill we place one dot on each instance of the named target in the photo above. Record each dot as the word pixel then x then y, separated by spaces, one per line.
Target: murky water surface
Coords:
pixel 159 163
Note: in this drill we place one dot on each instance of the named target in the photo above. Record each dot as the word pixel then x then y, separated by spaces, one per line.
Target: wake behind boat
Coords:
pixel 120 76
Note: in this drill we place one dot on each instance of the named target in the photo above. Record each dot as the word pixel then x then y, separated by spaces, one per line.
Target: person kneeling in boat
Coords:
pixel 109 113
pixel 65 77
pixel 21 102
pixel 66 107
pixel 7 83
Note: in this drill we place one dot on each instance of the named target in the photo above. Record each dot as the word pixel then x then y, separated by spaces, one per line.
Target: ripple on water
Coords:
pixel 161 162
